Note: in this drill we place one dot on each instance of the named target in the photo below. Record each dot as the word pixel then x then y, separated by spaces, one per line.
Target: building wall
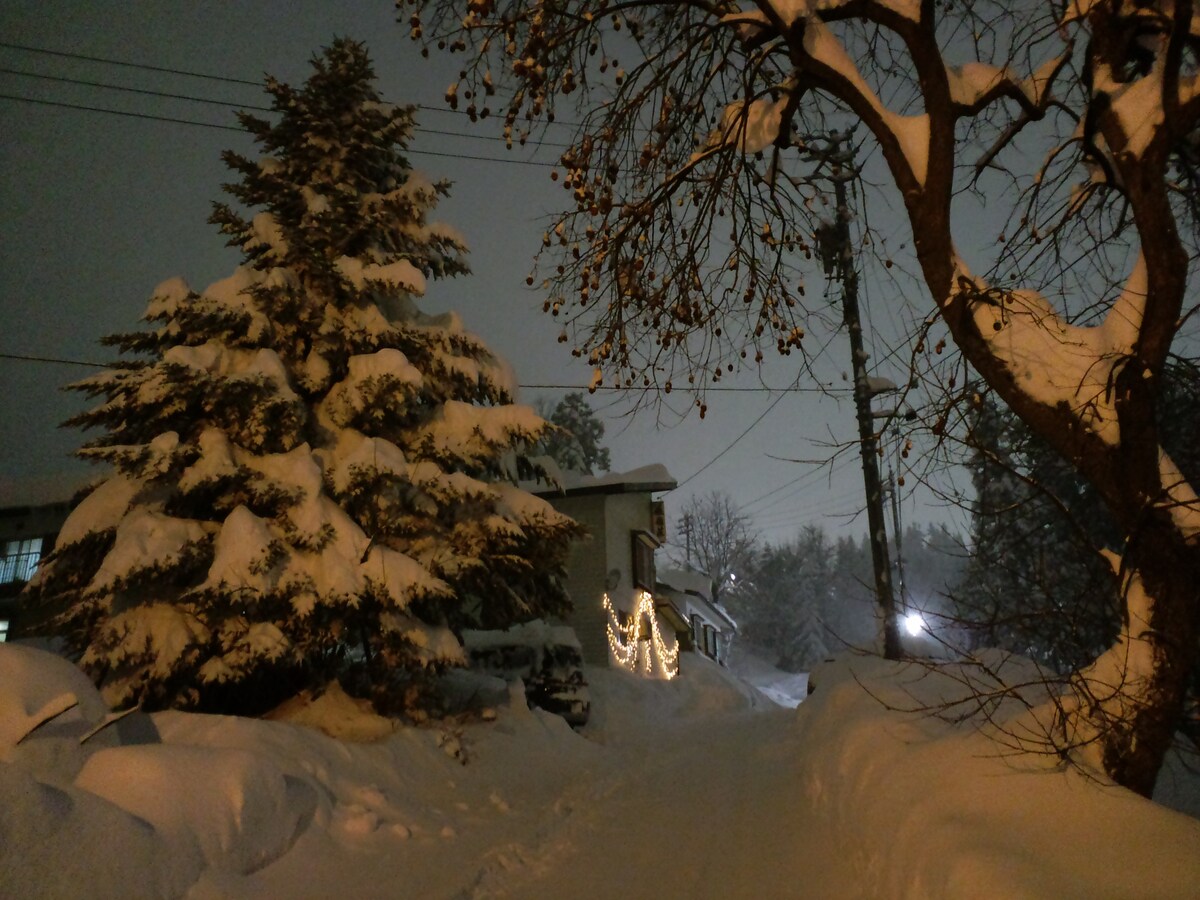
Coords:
pixel 625 514
pixel 725 634
pixel 587 567
pixel 602 563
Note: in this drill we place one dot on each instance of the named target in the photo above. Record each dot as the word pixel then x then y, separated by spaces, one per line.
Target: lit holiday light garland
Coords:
pixel 623 640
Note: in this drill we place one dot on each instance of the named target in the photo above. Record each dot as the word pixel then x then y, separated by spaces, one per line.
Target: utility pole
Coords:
pixel 898 531
pixel 836 239
pixel 686 528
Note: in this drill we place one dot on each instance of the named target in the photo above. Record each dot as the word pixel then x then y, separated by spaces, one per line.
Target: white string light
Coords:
pixel 624 640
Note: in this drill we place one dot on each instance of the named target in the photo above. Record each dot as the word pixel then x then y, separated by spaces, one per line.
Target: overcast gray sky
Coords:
pixel 99 208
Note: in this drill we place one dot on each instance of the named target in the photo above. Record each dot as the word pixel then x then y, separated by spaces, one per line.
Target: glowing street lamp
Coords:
pixel 914 624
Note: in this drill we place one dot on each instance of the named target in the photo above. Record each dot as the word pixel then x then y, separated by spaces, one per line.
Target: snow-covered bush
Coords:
pixel 311 478
pixel 547 658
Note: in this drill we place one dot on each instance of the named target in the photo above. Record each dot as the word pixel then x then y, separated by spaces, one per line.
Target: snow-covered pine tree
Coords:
pixel 311 478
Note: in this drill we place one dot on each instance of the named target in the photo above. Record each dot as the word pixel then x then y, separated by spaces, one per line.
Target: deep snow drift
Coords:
pixel 698 787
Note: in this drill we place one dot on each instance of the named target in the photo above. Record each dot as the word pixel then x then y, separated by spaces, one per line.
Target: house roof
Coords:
pixel 685 581
pixel 646 479
pixel 695 587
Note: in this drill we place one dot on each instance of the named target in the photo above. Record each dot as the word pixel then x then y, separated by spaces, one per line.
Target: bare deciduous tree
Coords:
pixel 718 538
pixel 694 213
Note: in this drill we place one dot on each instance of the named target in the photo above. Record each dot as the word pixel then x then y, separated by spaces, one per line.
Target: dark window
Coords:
pixel 658 521
pixel 643 561
pixel 710 641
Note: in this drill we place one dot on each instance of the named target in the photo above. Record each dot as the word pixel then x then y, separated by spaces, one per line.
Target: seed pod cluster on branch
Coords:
pixel 684 244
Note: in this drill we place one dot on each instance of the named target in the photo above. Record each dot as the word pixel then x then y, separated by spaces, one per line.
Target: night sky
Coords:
pixel 100 208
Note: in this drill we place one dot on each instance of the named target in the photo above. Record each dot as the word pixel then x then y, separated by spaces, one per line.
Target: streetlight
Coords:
pixel 914 624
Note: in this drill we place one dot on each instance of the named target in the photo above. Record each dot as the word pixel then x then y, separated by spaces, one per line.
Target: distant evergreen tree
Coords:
pixel 575 443
pixel 934 559
pixel 811 597
pixel 782 604
pixel 853 611
pixel 312 479
pixel 1035 583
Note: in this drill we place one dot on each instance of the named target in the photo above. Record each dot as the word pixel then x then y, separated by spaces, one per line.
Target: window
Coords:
pixel 710 641
pixel 19 560
pixel 643 561
pixel 658 521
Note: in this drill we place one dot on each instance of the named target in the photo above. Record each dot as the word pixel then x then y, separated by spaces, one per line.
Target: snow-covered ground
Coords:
pixel 698 787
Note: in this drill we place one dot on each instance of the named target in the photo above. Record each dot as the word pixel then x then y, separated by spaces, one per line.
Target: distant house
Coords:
pixel 709 629
pixel 611 577
pixel 27 533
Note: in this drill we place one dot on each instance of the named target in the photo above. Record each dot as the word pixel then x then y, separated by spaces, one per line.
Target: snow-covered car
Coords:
pixel 547 658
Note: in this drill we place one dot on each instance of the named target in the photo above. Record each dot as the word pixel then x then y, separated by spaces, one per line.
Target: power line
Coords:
pixel 797 485
pixel 732 444
pixel 828 503
pixel 52 359
pixel 204 75
pixel 442 154
pixel 117 62
pixel 19 357
pixel 191 98
pixel 765 389
pixel 117 112
pixel 130 90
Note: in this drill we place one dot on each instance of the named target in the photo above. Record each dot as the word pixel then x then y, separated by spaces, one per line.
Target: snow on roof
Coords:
pixel 697 587
pixel 688 582
pixel 538 633
pixel 651 478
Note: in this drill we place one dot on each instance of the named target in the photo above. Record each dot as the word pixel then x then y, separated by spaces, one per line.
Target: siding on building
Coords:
pixel 602 563
pixel 586 574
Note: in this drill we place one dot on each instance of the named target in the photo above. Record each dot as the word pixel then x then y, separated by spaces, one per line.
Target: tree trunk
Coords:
pixel 1123 710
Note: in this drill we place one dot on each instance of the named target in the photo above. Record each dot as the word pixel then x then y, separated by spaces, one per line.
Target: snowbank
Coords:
pixel 697 787
pixel 232 809
pixel 915 807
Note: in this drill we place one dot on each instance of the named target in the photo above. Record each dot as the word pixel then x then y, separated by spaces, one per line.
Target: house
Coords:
pixel 708 627
pixel 27 532
pixel 618 616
